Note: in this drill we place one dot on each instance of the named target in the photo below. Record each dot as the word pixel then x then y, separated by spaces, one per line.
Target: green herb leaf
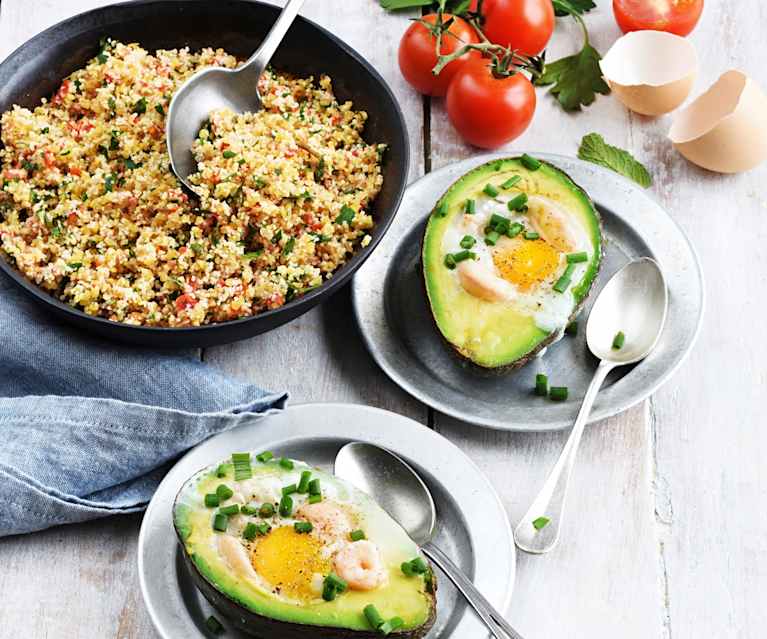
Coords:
pixel 594 149
pixel 541 522
pixel 576 79
pixel 140 106
pixel 572 7
pixel 346 215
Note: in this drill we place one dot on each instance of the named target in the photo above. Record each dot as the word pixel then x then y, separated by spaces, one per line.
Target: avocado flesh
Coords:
pixel 498 335
pixel 244 599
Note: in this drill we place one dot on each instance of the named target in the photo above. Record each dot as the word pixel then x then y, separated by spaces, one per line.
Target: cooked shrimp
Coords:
pixel 479 280
pixel 360 565
pixel 550 221
pixel 328 519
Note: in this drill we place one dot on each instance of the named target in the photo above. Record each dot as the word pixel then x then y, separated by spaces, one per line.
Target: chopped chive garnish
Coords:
pixel 407 569
pixel 463 255
pixel 286 506
pixel 618 340
pixel 572 328
pixel 263 528
pixel 223 492
pixel 232 509
pixel 490 190
pixel 214 625
pixel 266 510
pixel 249 532
pixel 569 269
pixel 357 535
pixel 541 385
pixel 541 522
pixel 492 237
pixel 221 471
pixel 211 500
pixel 332 586
pixel 441 209
pixel 289 490
pixel 515 229
pixel 387 627
pixel 303 527
pixel 563 283
pixel 450 261
pixel 511 182
pixel 220 522
pixel 415 566
pixel 517 202
pixel 303 484
pixel 286 463
pixel 471 207
pixel 530 163
pixel 265 456
pixel 531 235
pixel 241 463
pixel 558 393
pixel 497 165
pixel 468 241
pixel 248 510
pixel 574 258
pixel 373 616
pixel 315 499
pixel 314 487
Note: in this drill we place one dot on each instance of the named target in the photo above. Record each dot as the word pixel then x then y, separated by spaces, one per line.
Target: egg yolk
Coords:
pixel 526 263
pixel 288 561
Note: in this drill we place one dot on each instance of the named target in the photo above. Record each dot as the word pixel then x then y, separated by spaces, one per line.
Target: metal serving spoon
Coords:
pixel 634 302
pixel 401 492
pixel 217 88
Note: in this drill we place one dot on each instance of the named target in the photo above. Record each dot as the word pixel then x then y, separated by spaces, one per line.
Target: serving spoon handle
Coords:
pixel 494 620
pixel 256 64
pixel 550 502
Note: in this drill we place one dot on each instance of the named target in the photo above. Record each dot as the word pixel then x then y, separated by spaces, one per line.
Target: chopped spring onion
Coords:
pixel 492 237
pixel 314 487
pixel 563 283
pixel 286 463
pixel 490 190
pixel 303 484
pixel 266 510
pixel 263 528
pixel 315 499
pixel 357 535
pixel 530 163
pixel 515 229
pixel 211 500
pixel 415 566
pixel 541 385
pixel 286 506
pixel 220 522
pixel 540 522
pixel 441 209
pixel 332 586
pixel 450 261
pixel 223 492
pixel 517 202
pixel 373 616
pixel 303 527
pixel 265 456
pixel 471 207
pixel 232 509
pixel 468 241
pixel 511 182
pixel 246 509
pixel 558 393
pixel 461 256
pixel 242 469
pixel 574 258
pixel 221 471
pixel 531 235
pixel 289 490
pixel 387 627
pixel 618 340
pixel 249 532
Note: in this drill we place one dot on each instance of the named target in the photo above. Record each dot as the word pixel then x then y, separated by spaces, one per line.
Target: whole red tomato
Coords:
pixel 418 53
pixel 489 111
pixel 523 25
pixel 674 16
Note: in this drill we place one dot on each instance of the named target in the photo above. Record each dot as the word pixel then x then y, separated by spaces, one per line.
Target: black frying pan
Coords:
pixel 36 69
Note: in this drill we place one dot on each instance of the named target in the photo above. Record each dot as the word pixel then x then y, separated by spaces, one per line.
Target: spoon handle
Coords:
pixel 550 502
pixel 493 619
pixel 260 59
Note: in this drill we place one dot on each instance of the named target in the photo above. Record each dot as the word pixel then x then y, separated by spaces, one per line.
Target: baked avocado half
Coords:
pixel 281 549
pixel 510 253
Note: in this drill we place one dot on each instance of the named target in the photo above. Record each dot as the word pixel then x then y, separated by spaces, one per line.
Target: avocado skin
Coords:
pixel 497 371
pixel 265 628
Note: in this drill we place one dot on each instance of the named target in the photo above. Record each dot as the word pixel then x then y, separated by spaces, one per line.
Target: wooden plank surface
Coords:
pixel 665 536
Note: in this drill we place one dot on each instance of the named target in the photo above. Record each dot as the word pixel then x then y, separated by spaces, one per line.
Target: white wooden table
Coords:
pixel 667 529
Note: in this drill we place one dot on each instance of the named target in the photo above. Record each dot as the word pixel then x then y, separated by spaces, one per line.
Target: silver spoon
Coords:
pixel 217 88
pixel 400 491
pixel 634 302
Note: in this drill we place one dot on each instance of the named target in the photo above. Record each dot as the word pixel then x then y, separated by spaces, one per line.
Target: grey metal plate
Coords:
pixel 395 320
pixel 473 526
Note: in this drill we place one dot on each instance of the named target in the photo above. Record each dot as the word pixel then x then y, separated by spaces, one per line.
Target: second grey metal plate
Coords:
pixel 395 320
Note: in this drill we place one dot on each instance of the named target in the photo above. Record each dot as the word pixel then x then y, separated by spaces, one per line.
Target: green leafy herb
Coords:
pixel 75 265
pixel 140 106
pixel 288 248
pixel 346 215
pixel 576 78
pixel 396 5
pixel 159 108
pixel 594 149
pixel 229 154
pixel 569 7
pixel 109 183
pixel 540 522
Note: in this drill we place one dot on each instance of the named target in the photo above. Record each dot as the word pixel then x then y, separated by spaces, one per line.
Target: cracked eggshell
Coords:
pixel 725 129
pixel 651 72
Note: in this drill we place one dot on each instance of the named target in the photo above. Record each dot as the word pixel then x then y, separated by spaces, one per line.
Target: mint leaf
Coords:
pixel 576 79
pixel 594 149
pixel 572 7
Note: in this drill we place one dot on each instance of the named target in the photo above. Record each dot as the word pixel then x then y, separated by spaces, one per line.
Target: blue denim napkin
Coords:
pixel 89 427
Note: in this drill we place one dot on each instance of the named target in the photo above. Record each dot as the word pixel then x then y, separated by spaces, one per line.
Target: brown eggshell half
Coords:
pixel 725 129
pixel 651 72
